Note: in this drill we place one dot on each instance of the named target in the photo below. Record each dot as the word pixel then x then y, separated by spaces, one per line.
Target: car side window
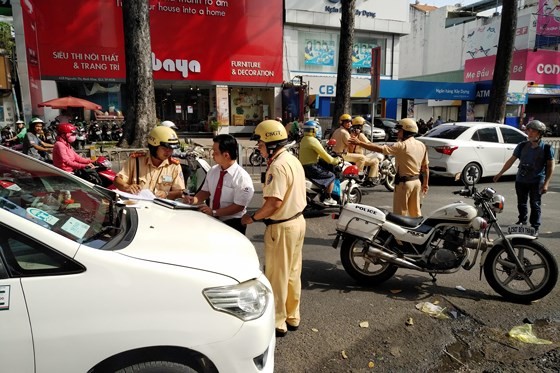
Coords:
pixel 511 136
pixel 486 135
pixel 25 257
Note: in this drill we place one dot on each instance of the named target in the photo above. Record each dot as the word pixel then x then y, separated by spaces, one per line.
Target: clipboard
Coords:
pixel 175 205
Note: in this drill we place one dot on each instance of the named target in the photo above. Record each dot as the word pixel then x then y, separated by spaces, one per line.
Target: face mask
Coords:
pixel 71 138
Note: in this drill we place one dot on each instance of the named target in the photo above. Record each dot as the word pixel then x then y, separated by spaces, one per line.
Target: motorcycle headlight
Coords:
pixel 498 202
pixel 247 300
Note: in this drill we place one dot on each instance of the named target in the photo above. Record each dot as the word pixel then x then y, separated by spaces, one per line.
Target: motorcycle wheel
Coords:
pixel 507 280
pixel 354 195
pixel 366 270
pixel 256 159
pixel 390 176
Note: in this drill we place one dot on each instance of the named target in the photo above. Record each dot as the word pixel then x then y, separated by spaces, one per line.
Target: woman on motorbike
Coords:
pixel 64 155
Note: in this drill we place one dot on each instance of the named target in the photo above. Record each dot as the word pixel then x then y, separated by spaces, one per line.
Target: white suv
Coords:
pixel 89 284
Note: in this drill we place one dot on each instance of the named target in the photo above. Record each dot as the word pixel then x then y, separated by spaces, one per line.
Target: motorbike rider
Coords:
pixel 32 143
pixel 64 155
pixel 411 158
pixel 156 170
pixel 372 161
pixel 342 135
pixel 310 151
pixel 21 131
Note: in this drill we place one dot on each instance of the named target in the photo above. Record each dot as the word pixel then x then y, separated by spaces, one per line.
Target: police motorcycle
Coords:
pixel 375 243
pixel 346 187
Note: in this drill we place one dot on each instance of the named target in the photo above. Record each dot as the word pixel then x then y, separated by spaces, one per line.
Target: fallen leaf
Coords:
pixel 396 291
pixel 409 321
pixel 371 364
pixel 364 324
pixel 343 353
pixel 314 330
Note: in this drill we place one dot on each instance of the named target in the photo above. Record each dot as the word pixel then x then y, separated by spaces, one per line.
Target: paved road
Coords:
pixel 330 338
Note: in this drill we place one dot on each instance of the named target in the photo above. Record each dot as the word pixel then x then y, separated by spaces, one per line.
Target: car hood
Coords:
pixel 192 239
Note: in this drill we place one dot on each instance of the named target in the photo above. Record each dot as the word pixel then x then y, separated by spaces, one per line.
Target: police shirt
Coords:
pixel 237 188
pixel 341 135
pixel 163 178
pixel 410 156
pixel 285 180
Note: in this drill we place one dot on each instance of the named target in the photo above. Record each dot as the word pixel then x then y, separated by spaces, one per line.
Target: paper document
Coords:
pixel 144 195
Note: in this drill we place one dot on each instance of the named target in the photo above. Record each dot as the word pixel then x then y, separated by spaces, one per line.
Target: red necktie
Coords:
pixel 218 192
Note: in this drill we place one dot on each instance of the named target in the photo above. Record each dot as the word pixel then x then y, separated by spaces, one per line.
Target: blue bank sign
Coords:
pixel 427 90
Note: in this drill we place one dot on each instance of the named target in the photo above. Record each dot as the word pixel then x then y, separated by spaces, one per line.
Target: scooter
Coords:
pixel 81 136
pixel 102 174
pixel 194 167
pixel 376 243
pixel 256 158
pixel 346 188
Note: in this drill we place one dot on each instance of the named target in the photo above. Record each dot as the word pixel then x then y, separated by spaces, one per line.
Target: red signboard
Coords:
pixel 193 40
pixel 542 67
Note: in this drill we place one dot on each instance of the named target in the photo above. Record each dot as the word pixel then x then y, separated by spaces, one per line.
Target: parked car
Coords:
pixel 378 133
pixel 472 149
pixel 387 125
pixel 92 283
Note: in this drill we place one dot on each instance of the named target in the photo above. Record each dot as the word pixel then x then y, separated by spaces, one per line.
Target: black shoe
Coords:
pixel 281 333
pixel 292 328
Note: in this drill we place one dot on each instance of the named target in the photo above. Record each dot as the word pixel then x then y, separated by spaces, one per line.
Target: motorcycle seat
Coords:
pixel 405 221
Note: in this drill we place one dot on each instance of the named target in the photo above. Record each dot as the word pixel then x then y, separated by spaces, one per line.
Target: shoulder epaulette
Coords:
pixel 137 154
pixel 174 160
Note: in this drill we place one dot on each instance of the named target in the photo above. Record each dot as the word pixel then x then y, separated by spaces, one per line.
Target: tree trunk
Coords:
pixel 504 57
pixel 344 72
pixel 140 97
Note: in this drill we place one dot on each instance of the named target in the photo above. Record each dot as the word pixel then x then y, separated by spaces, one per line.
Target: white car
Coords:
pixel 89 283
pixel 378 133
pixel 472 149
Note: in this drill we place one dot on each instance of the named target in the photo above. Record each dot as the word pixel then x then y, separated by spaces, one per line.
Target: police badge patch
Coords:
pixel 269 180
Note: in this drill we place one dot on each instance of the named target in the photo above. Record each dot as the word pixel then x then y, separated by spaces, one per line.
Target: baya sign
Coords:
pixel 193 40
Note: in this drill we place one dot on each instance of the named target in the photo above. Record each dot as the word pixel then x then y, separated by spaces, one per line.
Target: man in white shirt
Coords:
pixel 230 196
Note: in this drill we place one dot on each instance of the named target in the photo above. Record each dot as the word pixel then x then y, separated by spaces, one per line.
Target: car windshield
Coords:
pixel 389 123
pixel 446 132
pixel 56 201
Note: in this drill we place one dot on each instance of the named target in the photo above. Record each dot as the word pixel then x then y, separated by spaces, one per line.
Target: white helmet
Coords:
pixel 168 123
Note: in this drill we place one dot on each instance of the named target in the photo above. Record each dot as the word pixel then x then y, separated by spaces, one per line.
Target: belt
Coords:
pixel 268 222
pixel 404 179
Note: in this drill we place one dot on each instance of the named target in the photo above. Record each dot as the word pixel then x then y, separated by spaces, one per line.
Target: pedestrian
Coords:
pixel 284 201
pixel 411 158
pixel 227 184
pixel 155 170
pixel 342 135
pixel 64 155
pixel 438 121
pixel 536 165
pixel 371 159
pixel 32 143
pixel 310 151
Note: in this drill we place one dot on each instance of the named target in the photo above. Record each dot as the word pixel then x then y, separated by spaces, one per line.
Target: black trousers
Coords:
pixel 235 223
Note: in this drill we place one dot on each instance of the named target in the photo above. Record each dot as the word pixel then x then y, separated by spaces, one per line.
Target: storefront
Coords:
pixel 210 59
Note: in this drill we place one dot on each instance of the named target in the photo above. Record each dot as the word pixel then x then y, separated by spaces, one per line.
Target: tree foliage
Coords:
pixel 504 57
pixel 344 72
pixel 140 96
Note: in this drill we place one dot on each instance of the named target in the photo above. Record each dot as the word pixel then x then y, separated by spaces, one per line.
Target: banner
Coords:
pixel 192 40
pixel 319 52
pixel 548 20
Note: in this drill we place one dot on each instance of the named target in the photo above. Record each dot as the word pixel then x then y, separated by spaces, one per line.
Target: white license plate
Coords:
pixel 521 229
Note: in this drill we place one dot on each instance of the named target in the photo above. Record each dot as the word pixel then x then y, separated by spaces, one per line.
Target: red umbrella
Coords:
pixel 66 102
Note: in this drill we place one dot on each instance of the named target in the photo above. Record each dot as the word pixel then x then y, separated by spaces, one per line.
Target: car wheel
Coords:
pixel 471 173
pixel 157 367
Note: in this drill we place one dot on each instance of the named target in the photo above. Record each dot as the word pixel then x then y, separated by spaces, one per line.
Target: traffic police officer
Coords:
pixel 284 201
pixel 411 159
pixel 156 170
pixel 342 136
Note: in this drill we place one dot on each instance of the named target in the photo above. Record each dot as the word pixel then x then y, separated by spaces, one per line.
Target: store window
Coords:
pixel 250 106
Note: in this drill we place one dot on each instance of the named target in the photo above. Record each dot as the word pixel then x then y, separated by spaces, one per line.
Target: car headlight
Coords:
pixel 247 300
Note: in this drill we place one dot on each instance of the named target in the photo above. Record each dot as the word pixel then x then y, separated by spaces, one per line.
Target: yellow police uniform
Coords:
pixel 284 234
pixel 341 135
pixel 163 178
pixel 410 157
pixel 372 162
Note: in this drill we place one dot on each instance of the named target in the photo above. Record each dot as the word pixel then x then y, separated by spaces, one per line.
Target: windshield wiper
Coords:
pixel 102 232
